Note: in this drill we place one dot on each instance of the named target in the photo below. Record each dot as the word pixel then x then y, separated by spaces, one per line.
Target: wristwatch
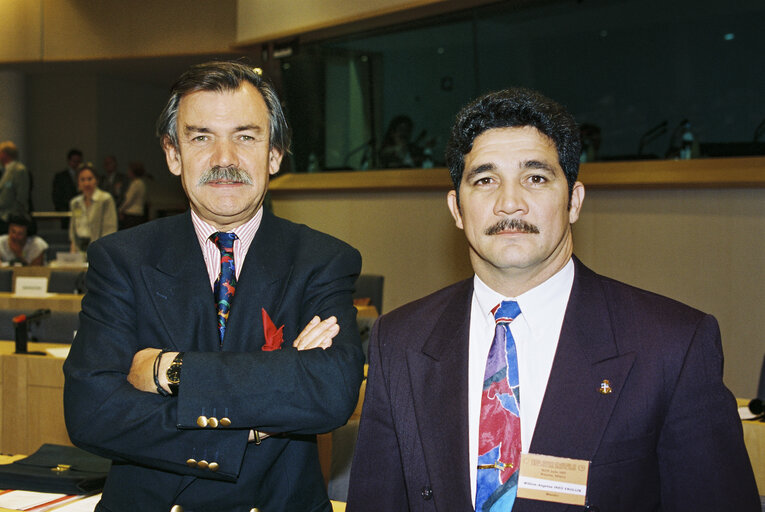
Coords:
pixel 174 374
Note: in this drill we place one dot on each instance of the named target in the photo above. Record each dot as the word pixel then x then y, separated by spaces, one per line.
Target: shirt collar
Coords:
pixel 244 233
pixel 535 303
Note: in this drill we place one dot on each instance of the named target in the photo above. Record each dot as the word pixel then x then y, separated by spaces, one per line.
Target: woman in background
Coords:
pixel 133 208
pixel 93 212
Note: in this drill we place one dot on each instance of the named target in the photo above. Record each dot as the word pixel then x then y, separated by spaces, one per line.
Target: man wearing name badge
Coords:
pixel 612 395
pixel 202 366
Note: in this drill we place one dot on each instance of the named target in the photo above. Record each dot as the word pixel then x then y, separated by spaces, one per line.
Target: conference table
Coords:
pixel 31 398
pixel 65 302
pixel 754 438
pixel 337 506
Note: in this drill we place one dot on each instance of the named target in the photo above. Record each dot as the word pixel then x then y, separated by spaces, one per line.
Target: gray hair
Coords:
pixel 220 76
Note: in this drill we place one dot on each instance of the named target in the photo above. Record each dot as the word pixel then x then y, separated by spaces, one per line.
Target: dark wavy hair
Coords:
pixel 220 76
pixel 514 107
pixel 22 219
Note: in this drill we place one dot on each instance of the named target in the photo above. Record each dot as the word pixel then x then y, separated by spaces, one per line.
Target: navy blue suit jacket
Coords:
pixel 148 287
pixel 667 438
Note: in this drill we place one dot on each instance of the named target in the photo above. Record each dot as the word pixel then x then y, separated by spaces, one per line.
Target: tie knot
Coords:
pixel 224 241
pixel 506 311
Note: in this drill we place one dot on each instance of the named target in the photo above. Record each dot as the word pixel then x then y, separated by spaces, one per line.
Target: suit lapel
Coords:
pixel 574 412
pixel 180 289
pixel 441 366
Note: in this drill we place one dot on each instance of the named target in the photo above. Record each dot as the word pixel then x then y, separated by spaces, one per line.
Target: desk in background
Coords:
pixel 66 302
pixel 45 270
pixel 31 399
pixel 754 438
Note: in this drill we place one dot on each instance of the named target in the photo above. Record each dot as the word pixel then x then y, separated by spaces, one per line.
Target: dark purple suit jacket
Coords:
pixel 667 438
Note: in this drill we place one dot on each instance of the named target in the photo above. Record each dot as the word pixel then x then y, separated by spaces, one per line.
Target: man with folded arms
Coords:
pixel 201 366
pixel 539 385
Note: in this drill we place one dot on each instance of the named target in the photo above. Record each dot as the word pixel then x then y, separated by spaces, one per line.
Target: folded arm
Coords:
pixel 282 391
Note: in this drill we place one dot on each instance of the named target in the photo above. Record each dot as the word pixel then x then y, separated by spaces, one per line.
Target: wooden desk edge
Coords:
pixel 742 172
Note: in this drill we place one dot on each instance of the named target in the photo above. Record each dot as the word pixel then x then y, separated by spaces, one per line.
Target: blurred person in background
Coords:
pixel 14 184
pixel 21 245
pixel 133 209
pixel 399 151
pixel 113 181
pixel 93 212
pixel 65 183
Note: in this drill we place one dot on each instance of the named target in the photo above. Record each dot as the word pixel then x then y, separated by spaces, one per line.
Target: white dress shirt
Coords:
pixel 536 332
pixel 244 235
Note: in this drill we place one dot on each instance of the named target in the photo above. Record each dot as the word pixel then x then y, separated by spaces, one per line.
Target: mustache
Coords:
pixel 231 173
pixel 512 224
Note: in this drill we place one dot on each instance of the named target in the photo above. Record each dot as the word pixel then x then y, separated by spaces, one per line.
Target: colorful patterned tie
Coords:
pixel 499 442
pixel 225 286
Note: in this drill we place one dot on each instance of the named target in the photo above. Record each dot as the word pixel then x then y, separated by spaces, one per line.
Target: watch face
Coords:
pixel 174 374
pixel 174 370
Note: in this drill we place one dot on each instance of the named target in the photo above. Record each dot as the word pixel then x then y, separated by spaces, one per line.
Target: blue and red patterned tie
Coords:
pixel 225 285
pixel 499 441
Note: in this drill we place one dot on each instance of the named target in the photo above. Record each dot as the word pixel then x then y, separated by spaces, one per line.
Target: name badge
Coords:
pixel 556 479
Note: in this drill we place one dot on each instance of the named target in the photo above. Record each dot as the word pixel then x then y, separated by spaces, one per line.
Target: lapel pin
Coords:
pixel 605 387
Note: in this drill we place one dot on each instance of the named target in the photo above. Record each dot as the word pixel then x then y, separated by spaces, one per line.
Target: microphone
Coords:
pixel 32 317
pixel 650 135
pixel 21 328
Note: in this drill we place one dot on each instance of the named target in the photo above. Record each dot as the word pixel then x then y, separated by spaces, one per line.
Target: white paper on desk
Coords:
pixel 60 352
pixel 23 500
pixel 745 414
pixel 69 258
pixel 85 504
pixel 27 286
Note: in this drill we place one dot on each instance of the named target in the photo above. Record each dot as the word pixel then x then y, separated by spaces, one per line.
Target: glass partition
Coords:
pixel 645 79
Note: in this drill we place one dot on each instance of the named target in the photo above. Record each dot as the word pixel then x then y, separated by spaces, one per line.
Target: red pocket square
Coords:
pixel 274 337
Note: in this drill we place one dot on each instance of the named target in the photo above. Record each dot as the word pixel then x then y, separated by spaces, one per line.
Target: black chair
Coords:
pixel 67 281
pixel 365 329
pixel 6 280
pixel 343 446
pixel 55 248
pixel 370 286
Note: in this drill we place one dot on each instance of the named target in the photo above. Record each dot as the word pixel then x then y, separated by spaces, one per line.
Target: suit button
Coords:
pixel 225 422
pixel 202 464
pixel 191 463
pixel 176 508
pixel 254 509
pixel 202 421
pixel 213 422
pixel 213 466
pixel 427 493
